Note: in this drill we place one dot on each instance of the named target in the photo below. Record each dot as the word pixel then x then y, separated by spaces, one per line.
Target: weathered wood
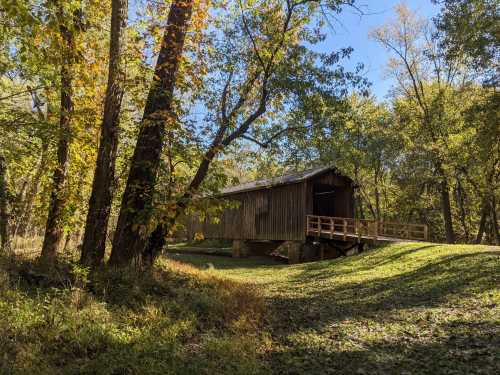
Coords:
pixel 277 213
pixel 364 229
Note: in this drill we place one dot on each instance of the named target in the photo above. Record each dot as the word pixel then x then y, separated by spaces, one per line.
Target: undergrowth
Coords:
pixel 171 320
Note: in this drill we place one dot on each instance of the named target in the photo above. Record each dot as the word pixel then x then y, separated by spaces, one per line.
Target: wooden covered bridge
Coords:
pixel 310 214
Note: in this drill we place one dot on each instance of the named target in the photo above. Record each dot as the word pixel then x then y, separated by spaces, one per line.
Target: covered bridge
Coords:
pixel 276 209
pixel 298 211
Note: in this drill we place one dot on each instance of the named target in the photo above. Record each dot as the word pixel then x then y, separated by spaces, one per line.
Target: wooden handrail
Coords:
pixel 374 229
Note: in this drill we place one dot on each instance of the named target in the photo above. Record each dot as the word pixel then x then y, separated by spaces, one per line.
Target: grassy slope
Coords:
pixel 404 309
pixel 176 320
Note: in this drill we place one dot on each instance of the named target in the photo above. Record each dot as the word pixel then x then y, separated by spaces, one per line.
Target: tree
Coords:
pixel 271 70
pixel 54 229
pixel 138 195
pixel 94 240
pixel 472 28
pixel 4 214
pixel 418 58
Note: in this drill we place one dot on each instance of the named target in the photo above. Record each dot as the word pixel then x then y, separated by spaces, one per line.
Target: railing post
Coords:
pixel 332 227
pixel 359 231
pixel 345 228
pixel 426 233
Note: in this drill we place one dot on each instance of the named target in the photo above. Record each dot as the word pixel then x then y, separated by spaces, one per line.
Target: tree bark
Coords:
pixel 94 240
pixel 460 198
pixel 377 194
pixel 136 206
pixel 445 204
pixel 446 207
pixel 55 220
pixel 482 222
pixel 494 222
pixel 4 214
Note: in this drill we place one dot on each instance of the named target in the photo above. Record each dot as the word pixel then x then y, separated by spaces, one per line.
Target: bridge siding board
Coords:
pixel 270 213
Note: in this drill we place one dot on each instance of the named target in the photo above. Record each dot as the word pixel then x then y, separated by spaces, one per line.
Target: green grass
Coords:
pixel 402 309
pixel 174 320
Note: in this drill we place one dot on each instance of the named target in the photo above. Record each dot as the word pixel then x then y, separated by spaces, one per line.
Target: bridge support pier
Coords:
pixel 294 251
pixel 240 249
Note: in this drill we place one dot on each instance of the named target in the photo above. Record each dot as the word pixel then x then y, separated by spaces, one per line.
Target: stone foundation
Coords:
pixel 240 249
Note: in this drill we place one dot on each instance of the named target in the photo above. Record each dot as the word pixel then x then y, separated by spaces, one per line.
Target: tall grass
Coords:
pixel 173 319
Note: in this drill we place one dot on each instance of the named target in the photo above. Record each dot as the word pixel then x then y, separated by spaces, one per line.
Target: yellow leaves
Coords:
pixel 198 236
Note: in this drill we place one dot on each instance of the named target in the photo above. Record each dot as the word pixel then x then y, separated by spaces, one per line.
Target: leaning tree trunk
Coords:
pixel 4 214
pixel 157 239
pixel 94 240
pixel 135 211
pixel 54 228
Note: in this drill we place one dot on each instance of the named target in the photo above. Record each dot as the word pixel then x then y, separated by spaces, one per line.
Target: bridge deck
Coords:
pixel 364 230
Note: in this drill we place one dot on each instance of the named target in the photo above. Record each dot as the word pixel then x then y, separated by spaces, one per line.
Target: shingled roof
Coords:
pixel 286 179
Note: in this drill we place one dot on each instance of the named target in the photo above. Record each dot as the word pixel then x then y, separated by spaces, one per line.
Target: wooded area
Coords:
pixel 114 118
pixel 127 124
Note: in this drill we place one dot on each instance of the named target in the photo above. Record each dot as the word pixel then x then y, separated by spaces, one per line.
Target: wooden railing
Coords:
pixel 322 226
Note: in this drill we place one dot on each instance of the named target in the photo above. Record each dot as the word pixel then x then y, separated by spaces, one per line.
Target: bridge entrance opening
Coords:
pixel 331 201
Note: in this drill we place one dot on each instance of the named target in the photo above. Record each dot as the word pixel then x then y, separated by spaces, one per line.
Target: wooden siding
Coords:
pixel 275 213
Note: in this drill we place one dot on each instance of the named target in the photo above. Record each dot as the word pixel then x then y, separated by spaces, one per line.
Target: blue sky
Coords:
pixel 351 29
pixel 354 32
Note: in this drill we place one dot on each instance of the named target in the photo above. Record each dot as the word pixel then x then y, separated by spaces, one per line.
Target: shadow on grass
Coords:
pixel 323 318
pixel 429 285
pixel 460 347
pixel 172 320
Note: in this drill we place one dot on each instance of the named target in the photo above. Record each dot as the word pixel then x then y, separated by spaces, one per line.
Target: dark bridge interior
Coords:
pixel 331 200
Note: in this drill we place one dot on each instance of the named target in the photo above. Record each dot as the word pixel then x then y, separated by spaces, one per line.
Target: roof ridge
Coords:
pixel 284 179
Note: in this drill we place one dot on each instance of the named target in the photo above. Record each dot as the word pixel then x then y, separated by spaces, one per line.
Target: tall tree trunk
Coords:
pixel 460 198
pixel 377 194
pixel 485 208
pixel 25 217
pixel 494 221
pixel 446 205
pixel 135 210
pixel 4 214
pixel 94 240
pixel 54 228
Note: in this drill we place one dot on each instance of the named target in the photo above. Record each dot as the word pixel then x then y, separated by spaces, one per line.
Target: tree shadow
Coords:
pixel 427 286
pixel 169 320
pixel 460 347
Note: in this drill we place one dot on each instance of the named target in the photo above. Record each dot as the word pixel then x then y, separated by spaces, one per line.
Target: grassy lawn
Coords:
pixel 402 309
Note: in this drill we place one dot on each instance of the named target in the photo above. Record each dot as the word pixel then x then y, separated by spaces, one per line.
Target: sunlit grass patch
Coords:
pixel 414 308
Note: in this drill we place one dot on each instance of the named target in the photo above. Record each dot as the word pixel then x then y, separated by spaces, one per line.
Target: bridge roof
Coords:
pixel 286 179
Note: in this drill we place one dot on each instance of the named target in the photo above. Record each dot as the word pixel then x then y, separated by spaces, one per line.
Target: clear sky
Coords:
pixel 351 29
pixel 354 32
